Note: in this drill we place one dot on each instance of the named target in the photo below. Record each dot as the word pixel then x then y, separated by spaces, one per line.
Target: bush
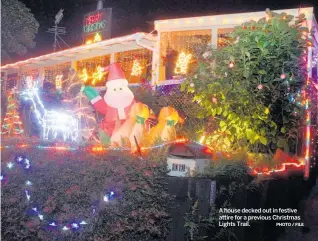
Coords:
pixel 67 186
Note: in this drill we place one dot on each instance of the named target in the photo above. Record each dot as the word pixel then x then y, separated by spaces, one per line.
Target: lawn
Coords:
pixel 79 195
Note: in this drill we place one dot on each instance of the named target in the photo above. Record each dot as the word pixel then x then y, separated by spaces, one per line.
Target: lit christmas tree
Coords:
pixel 182 63
pixel 136 69
pixel 12 124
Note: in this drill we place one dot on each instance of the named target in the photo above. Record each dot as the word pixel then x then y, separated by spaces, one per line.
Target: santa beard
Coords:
pixel 119 99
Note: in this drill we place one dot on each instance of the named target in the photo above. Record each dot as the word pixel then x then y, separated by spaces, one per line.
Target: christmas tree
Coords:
pixel 136 69
pixel 182 63
pixel 12 124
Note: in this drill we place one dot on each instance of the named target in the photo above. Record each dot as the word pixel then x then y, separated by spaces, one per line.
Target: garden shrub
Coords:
pixel 68 185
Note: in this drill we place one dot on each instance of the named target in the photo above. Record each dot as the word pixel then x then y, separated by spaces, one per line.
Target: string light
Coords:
pixel 53 122
pixel 98 75
pixel 97 37
pixel 12 124
pixel 50 73
pixel 36 211
pixel 136 69
pixel 29 82
pixel 10 165
pixel 58 82
pixel 182 63
pixel 126 61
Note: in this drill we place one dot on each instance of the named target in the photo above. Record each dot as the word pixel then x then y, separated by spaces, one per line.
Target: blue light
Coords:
pixel 75 226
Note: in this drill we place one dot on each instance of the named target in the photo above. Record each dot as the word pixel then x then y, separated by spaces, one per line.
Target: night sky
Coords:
pixel 130 16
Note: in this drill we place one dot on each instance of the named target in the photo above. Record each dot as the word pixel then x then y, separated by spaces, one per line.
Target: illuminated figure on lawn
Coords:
pixel 116 103
pixel 53 123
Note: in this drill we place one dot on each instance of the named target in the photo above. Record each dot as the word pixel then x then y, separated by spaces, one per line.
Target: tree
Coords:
pixel 12 124
pixel 18 29
pixel 250 86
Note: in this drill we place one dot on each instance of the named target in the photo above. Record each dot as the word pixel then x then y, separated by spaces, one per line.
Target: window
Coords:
pixel 51 72
pixel 223 36
pixel 182 167
pixel 178 167
pixel 179 45
pixel 90 66
pixel 136 64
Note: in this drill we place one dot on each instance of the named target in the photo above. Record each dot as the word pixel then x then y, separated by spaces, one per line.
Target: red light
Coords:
pixel 207 150
pixel 93 18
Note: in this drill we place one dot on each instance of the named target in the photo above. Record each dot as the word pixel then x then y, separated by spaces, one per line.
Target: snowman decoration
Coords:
pixel 116 103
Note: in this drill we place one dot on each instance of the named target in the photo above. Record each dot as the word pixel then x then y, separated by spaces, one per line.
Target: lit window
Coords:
pixel 223 36
pixel 172 44
pixel 136 64
pixel 91 66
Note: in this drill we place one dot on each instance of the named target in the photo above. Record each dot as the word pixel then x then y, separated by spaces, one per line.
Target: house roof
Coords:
pixel 188 150
pixel 105 47
pixel 205 22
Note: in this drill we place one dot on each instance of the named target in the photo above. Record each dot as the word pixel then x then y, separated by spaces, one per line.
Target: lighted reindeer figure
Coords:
pixel 53 123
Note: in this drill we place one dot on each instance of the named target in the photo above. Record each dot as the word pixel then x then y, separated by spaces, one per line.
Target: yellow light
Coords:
pixel 136 69
pixel 88 41
pixel 97 37
pixel 98 75
pixel 182 63
pixel 202 139
pixel 84 75
pixel 58 82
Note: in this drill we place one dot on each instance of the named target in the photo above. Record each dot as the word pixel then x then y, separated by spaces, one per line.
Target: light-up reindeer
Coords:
pixel 53 123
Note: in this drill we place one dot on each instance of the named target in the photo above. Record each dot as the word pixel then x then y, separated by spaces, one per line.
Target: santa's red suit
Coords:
pixel 111 115
pixel 117 101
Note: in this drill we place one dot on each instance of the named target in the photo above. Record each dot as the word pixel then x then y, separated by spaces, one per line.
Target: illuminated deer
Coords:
pixel 53 123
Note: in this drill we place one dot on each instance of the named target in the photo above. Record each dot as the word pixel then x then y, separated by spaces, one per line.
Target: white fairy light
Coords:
pixel 10 165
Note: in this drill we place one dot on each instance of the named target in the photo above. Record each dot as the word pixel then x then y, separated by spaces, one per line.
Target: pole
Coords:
pixel 55 37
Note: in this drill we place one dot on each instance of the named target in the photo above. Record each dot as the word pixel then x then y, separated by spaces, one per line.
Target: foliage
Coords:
pixel 18 28
pixel 247 86
pixel 235 182
pixel 67 184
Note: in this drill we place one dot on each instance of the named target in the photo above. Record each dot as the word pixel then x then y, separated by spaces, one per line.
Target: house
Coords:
pixel 155 56
pixel 187 159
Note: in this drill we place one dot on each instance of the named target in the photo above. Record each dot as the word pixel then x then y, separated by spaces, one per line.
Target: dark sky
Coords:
pixel 130 16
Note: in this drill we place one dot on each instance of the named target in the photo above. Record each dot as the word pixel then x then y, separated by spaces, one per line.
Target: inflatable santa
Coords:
pixel 117 101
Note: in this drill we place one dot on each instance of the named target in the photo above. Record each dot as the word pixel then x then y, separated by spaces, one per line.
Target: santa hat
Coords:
pixel 115 75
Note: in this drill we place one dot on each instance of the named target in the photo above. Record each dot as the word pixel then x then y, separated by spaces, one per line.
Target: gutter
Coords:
pixel 138 37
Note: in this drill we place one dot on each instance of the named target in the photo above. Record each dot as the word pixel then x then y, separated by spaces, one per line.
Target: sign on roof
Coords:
pixel 97 23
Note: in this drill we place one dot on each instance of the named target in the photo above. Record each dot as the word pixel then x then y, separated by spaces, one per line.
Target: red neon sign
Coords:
pixel 93 18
